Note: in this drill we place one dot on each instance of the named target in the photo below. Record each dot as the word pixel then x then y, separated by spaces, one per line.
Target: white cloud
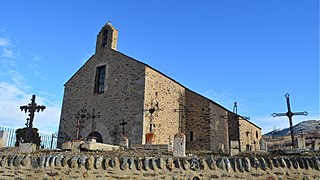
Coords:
pixel 8 53
pixel 4 42
pixel 7 50
pixel 12 97
pixel 15 92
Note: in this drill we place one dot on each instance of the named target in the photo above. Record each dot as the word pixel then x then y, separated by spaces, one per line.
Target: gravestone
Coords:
pixel 92 145
pixel 73 146
pixel 221 148
pixel 301 143
pixel 316 144
pixel 179 145
pixel 263 145
pixel 76 145
pixel 27 148
pixel 234 148
pixel 124 142
pixel 66 145
pixel 3 138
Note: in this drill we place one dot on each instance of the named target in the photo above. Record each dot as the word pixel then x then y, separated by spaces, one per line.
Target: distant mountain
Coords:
pixel 309 126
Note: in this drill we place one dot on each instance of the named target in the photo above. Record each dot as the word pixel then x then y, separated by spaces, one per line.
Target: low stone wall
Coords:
pixel 92 166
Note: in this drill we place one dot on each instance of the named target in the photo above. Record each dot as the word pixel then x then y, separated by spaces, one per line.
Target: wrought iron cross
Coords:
pixel 151 111
pixel 289 114
pixel 181 111
pixel 93 117
pixel 81 116
pixel 123 123
pixel 32 108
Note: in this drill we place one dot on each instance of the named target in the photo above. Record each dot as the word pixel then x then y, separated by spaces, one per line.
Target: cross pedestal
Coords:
pixel 179 145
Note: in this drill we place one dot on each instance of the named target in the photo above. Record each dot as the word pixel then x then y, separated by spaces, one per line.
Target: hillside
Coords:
pixel 308 127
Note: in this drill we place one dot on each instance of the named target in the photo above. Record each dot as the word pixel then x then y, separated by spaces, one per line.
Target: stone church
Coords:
pixel 112 94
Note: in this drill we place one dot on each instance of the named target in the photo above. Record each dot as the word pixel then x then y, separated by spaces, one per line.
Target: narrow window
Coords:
pixel 191 135
pixel 257 134
pixel 99 80
pixel 104 38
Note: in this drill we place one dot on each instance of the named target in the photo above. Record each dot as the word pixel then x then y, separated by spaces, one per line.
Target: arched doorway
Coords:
pixel 96 135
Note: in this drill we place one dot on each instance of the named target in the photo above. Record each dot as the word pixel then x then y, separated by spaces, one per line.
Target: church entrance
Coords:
pixel 96 135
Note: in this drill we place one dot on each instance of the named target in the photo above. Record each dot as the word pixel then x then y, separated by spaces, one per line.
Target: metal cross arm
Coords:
pixel 32 108
pixel 289 114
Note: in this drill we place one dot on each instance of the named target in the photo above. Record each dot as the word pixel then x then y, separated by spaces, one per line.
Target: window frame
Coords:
pixel 100 78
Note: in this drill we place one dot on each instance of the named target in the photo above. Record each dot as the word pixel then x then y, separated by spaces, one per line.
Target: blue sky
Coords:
pixel 248 51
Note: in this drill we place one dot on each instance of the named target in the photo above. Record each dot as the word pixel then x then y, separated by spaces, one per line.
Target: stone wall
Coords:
pixel 91 166
pixel 233 126
pixel 121 100
pixel 163 94
pixel 206 123
pixel 197 122
pixel 219 128
pixel 250 136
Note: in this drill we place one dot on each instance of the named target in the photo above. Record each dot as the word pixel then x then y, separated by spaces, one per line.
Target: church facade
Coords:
pixel 113 94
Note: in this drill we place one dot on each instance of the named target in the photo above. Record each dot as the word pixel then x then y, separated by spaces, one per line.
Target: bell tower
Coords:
pixel 107 38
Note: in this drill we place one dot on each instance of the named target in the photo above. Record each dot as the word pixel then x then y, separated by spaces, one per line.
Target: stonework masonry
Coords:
pixel 65 166
pixel 165 93
pixel 127 89
pixel 122 99
pixel 250 136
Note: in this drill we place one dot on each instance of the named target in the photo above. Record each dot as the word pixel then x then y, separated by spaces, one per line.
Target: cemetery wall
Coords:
pixel 91 166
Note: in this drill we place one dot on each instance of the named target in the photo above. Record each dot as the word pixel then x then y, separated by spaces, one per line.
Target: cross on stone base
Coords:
pixel 31 108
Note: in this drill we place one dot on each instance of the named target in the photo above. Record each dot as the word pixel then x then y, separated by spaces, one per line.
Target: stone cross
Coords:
pixel 31 108
pixel 93 117
pixel 80 116
pixel 123 123
pixel 289 114
pixel 180 117
pixel 151 111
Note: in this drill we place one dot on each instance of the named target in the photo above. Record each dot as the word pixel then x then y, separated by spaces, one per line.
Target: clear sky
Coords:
pixel 248 51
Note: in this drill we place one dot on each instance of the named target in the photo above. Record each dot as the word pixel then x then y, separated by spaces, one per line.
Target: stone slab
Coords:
pixel 316 144
pixel 165 147
pixel 94 146
pixel 300 143
pixel 27 148
pixel 179 145
pixel 124 142
pixel 74 146
pixel 3 138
